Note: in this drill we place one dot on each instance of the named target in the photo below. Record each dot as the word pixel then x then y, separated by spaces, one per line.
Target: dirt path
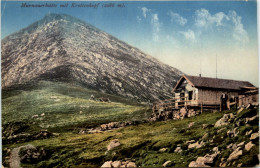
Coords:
pixel 14 161
pixel 14 158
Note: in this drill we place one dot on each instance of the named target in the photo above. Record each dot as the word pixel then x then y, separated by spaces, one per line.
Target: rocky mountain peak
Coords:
pixel 61 47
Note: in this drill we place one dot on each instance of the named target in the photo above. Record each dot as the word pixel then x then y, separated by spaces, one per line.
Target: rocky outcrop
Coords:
pixel 235 154
pixel 205 161
pixel 225 120
pixel 180 114
pixel 118 163
pixel 114 143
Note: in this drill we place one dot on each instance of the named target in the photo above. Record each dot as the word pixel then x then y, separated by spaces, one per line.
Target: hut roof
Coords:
pixel 205 82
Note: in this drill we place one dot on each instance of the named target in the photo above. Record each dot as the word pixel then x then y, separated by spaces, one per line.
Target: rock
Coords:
pixel 163 150
pixel 190 141
pixel 230 146
pixel 191 124
pixel 207 159
pixel 235 154
pixel 195 164
pixel 43 134
pixel 30 154
pixel 240 164
pixel 178 150
pixel 249 106
pixel 253 120
pixel 223 164
pixel 254 136
pixel 204 126
pixel 241 144
pixel 249 145
pixel 107 164
pixel 116 164
pixel 249 132
pixel 215 149
pixel 220 130
pixel 195 145
pixel 35 116
pixel 240 110
pixel 131 164
pixel 205 136
pixel 114 143
pixel 224 120
pixel 233 132
pixel 183 112
pixel 43 114
pixel 167 163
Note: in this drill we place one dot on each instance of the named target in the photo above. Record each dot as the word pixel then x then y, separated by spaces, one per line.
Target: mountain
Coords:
pixel 63 48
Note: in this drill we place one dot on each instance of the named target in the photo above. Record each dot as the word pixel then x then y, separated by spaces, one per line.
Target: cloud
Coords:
pixel 231 22
pixel 145 10
pixel 204 19
pixel 175 17
pixel 138 19
pixel 239 33
pixel 156 26
pixel 189 35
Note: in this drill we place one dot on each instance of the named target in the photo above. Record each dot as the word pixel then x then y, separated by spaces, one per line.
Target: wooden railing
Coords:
pixel 177 103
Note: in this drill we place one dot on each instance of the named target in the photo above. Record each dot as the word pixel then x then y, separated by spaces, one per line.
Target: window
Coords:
pixel 190 95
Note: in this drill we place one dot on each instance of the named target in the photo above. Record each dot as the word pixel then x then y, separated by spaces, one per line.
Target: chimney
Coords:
pixel 199 75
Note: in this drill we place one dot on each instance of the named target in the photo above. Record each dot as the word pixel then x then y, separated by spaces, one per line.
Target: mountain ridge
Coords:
pixel 91 56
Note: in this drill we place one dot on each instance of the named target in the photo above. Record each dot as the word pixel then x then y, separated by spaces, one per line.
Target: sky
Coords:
pixel 212 38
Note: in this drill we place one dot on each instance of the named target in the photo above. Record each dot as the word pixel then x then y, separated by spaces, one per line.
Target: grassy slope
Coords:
pixel 62 104
pixel 141 142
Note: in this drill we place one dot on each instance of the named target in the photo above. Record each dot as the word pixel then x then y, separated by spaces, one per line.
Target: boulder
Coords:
pixel 167 163
pixel 196 145
pixel 114 143
pixel 204 126
pixel 191 124
pixel 249 145
pixel 205 136
pixel 215 149
pixel 235 154
pixel 249 106
pixel 224 120
pixel 30 154
pixel 220 130
pixel 240 165
pixel 240 110
pixel 116 164
pixel 107 164
pixel 131 164
pixel 163 150
pixel 183 112
pixel 254 136
pixel 195 164
pixel 249 132
pixel 253 120
pixel 241 144
pixel 190 141
pixel 178 150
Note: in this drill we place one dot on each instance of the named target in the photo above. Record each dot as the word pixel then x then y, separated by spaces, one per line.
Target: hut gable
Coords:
pixel 213 83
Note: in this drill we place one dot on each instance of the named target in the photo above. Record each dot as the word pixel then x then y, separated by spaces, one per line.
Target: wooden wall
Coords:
pixel 208 96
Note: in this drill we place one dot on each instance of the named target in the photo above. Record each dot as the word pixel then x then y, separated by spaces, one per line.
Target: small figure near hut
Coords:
pixel 223 102
pixel 92 97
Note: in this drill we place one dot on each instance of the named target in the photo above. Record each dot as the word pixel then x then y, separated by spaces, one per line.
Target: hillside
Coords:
pixel 65 106
pixel 226 139
pixel 62 48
